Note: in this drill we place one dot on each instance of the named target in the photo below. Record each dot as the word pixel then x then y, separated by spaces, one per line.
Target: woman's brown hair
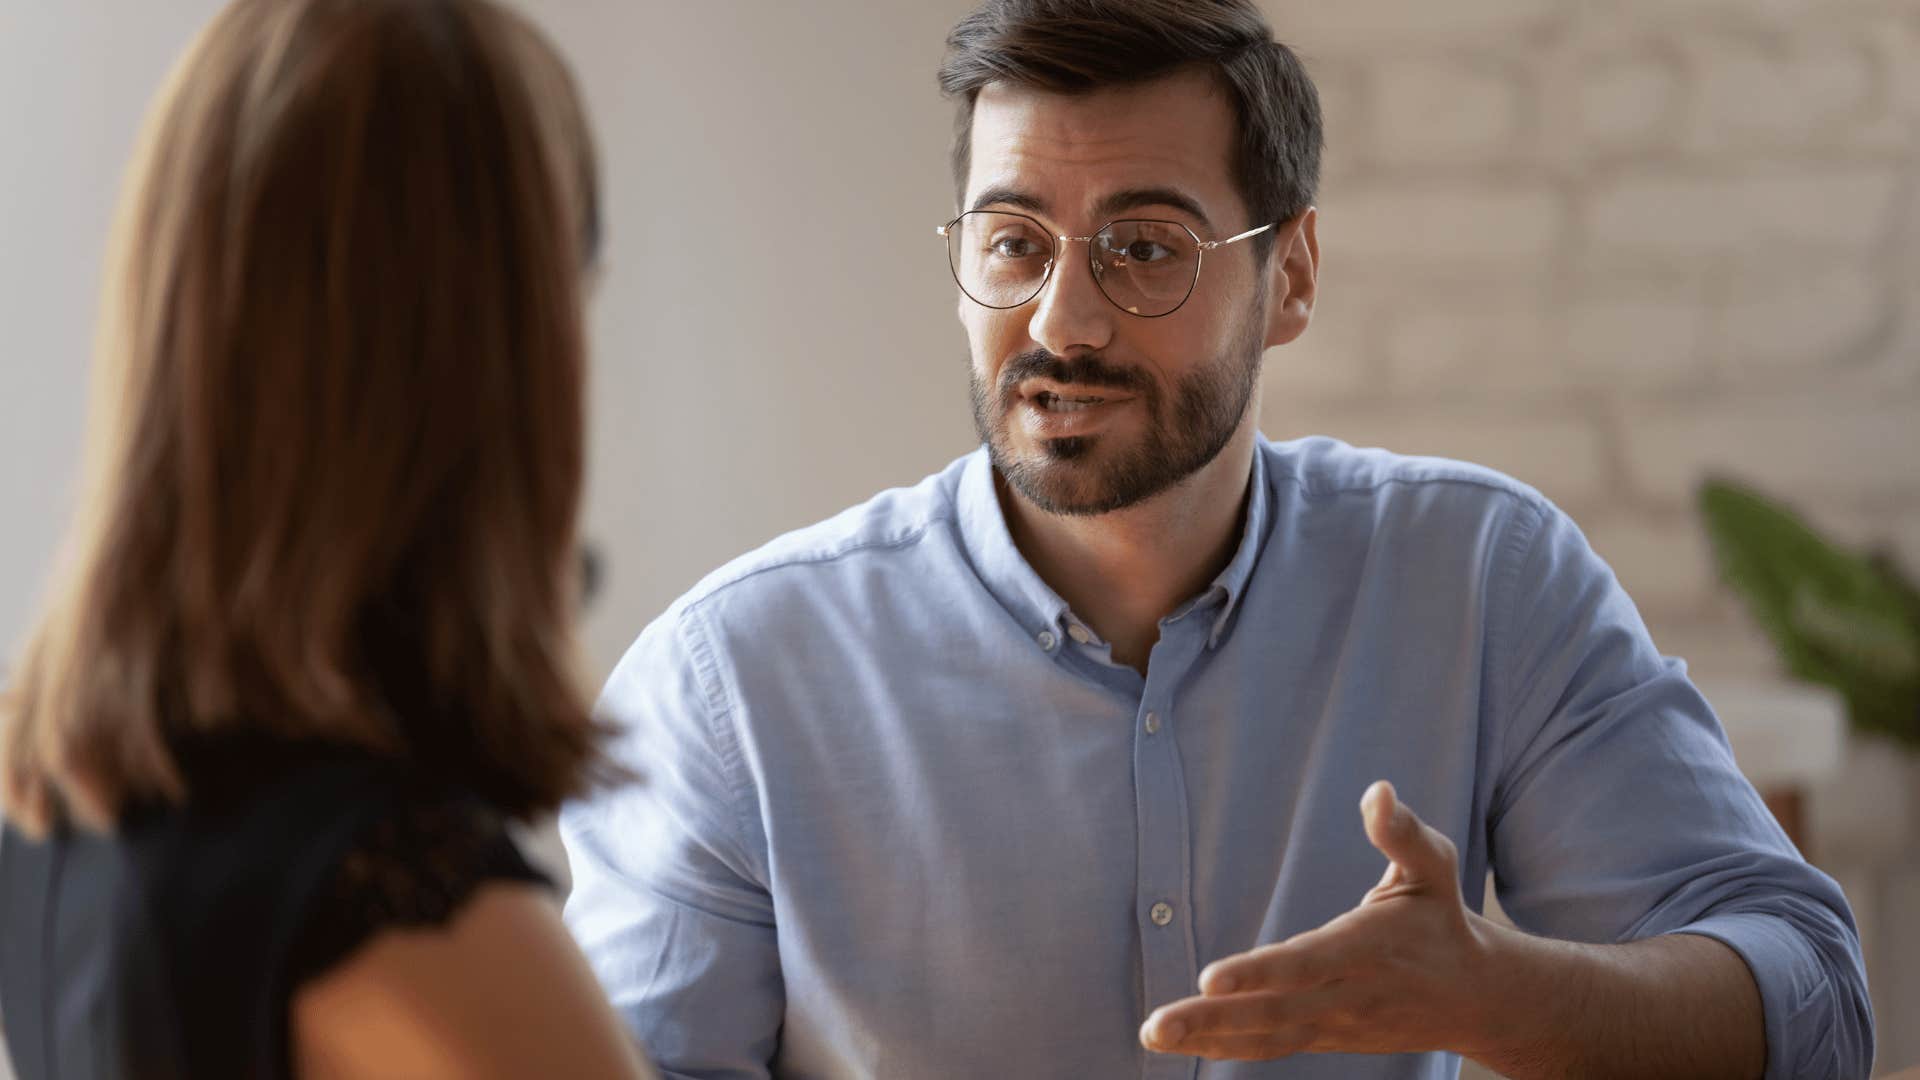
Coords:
pixel 336 442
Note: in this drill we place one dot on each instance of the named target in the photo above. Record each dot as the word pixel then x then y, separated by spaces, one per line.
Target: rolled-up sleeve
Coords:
pixel 669 895
pixel 1619 814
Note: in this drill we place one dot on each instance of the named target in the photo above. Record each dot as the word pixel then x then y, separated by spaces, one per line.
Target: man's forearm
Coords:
pixel 1680 1005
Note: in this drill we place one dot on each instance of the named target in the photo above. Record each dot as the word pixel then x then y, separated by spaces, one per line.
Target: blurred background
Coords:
pixel 1610 248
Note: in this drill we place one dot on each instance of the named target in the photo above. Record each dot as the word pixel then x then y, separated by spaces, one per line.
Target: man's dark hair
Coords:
pixel 1076 46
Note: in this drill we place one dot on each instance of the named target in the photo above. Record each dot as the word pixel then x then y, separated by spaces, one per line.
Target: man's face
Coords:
pixel 1085 408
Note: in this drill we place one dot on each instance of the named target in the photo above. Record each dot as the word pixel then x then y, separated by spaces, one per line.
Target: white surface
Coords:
pixel 1868 811
pixel 1782 733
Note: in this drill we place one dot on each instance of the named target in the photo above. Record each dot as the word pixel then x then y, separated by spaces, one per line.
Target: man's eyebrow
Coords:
pixel 1121 202
pixel 1008 196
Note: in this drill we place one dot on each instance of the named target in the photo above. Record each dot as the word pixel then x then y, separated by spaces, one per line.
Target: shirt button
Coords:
pixel 1161 913
pixel 1046 640
pixel 1079 633
pixel 1153 723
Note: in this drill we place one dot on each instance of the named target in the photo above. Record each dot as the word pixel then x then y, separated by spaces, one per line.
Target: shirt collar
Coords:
pixel 1004 571
pixel 1231 584
pixel 1020 590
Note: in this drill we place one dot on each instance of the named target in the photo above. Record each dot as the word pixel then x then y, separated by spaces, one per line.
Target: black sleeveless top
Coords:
pixel 173 947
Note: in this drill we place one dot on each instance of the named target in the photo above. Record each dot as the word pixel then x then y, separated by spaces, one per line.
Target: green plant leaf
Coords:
pixel 1903 587
pixel 1870 644
pixel 1837 618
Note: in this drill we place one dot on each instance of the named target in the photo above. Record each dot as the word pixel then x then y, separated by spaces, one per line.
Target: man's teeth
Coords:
pixel 1055 403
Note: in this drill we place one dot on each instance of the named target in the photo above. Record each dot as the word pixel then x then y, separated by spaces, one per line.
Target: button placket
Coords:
pixel 1163 898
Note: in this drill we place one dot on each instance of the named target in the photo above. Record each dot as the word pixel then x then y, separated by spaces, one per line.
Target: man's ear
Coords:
pixel 1295 266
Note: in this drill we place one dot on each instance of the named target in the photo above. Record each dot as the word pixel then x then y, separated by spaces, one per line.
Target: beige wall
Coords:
pixel 73 81
pixel 774 333
pixel 1604 246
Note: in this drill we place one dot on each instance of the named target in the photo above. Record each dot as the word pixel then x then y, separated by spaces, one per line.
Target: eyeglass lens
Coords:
pixel 1002 260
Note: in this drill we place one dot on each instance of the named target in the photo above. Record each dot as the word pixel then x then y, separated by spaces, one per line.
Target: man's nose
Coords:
pixel 1071 314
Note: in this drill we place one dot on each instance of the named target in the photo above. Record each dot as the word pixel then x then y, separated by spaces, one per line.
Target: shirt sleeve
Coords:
pixel 1618 813
pixel 670 898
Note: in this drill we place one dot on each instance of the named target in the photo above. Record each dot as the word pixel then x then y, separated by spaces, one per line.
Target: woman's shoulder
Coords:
pixel 415 863
pixel 312 847
pixel 185 928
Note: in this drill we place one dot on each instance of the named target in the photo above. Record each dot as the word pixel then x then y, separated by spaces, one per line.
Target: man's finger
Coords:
pixel 1301 962
pixel 1176 1025
pixel 1422 853
pixel 1173 1026
pixel 1244 1047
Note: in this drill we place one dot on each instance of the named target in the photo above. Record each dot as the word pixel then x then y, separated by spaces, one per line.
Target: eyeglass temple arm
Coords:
pixel 1211 244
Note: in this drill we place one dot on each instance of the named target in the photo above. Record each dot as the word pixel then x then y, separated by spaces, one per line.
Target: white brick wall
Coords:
pixel 1662 560
pixel 1768 90
pixel 1648 341
pixel 1613 245
pixel 1711 211
pixel 1443 109
pixel 1432 351
pixel 1823 447
pixel 1365 25
pixel 1559 452
pixel 1820 315
pixel 1439 228
pixel 1626 102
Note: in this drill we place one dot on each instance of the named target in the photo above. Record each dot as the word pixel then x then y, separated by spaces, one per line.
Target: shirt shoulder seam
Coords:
pixel 723 734
pixel 1515 549
pixel 1516 490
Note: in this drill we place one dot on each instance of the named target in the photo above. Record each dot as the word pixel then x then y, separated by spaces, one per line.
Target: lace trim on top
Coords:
pixel 416 866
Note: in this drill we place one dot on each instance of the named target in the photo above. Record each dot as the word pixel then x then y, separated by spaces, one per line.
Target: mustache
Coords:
pixel 1088 370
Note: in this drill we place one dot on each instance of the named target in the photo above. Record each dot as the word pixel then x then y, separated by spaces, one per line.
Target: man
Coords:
pixel 1063 762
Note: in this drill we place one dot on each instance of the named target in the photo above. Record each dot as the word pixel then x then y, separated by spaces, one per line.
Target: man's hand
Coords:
pixel 1397 973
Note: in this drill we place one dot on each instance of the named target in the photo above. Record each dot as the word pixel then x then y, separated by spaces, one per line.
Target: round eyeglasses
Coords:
pixel 1143 267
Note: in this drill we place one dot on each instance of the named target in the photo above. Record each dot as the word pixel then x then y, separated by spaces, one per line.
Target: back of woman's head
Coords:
pixel 336 448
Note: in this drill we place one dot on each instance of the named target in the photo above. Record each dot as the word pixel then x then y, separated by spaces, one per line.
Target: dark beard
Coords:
pixel 1207 406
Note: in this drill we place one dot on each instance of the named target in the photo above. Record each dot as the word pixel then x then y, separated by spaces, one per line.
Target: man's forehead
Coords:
pixel 1175 133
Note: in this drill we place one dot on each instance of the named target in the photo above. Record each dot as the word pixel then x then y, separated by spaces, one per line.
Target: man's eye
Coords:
pixel 1145 251
pixel 1014 247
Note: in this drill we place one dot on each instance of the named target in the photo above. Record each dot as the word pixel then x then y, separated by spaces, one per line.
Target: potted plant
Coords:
pixel 1843 619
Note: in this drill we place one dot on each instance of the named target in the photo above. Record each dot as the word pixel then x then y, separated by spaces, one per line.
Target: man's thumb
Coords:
pixel 1421 852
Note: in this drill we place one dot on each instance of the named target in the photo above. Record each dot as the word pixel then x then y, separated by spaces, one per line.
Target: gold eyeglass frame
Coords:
pixel 1059 250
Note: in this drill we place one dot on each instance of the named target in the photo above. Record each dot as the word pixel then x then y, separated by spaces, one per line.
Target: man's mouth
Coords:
pixel 1062 403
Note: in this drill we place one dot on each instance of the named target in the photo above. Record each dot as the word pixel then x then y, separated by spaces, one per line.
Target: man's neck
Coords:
pixel 1123 572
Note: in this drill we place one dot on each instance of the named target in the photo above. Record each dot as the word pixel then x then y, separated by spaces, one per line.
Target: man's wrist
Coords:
pixel 1519 991
pixel 1674 1005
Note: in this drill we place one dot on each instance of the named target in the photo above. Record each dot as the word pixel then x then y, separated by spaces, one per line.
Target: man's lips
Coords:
pixel 1056 403
pixel 1057 397
pixel 1052 414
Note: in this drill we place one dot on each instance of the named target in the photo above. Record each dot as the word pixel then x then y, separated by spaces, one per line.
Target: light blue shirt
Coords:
pixel 903 817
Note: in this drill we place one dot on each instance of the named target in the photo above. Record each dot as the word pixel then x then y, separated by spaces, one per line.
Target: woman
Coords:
pixel 311 649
